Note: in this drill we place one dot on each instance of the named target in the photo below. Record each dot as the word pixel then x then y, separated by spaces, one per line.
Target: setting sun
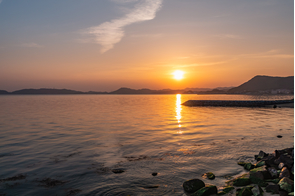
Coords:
pixel 178 75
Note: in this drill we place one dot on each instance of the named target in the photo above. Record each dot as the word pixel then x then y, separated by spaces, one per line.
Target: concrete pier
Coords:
pixel 233 103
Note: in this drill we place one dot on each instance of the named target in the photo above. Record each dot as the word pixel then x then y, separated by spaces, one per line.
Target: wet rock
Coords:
pixel 118 171
pixel 284 173
pixel 242 163
pixel 225 190
pixel 283 193
pixel 287 160
pixel 286 184
pixel 281 165
pixel 151 187
pixel 209 175
pixel 154 174
pixel 241 181
pixel 269 160
pixel 245 191
pixel 279 136
pixel 261 155
pixel 291 194
pixel 276 180
pixel 193 185
pixel 273 172
pixel 259 163
pixel 257 191
pixel 274 189
pixel 248 166
pixel 206 191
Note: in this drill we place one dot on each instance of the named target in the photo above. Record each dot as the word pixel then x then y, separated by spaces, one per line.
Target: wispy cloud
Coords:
pixel 268 54
pixel 31 45
pixel 109 33
pixel 228 36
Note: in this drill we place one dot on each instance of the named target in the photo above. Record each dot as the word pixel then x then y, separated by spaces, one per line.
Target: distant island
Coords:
pixel 257 85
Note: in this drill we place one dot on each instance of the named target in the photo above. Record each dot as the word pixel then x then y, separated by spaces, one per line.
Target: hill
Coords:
pixel 265 84
pixel 44 91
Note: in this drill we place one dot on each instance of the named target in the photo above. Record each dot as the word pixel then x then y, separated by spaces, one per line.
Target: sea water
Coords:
pixel 74 142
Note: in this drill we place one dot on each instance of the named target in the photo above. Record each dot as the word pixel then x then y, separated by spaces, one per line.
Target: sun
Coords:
pixel 178 75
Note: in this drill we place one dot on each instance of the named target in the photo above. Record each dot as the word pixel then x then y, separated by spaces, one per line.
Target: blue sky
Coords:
pixel 106 44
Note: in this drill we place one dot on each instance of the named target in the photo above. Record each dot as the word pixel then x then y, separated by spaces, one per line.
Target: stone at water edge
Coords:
pixel 225 190
pixel 259 164
pixel 273 172
pixel 245 191
pixel 286 184
pixel 241 182
pixel 257 190
pixel 154 174
pixel 274 189
pixel 284 173
pixel 248 166
pixel 206 191
pixel 193 185
pixel 209 175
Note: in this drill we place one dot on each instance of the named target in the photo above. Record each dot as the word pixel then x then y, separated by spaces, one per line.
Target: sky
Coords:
pixel 102 45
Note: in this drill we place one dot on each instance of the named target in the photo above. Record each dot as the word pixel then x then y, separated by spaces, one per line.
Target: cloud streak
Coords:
pixel 109 33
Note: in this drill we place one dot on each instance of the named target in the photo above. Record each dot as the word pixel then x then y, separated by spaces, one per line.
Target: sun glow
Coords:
pixel 178 75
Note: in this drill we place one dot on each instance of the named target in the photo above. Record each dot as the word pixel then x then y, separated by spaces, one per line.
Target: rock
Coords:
pixel 241 181
pixel 281 165
pixel 118 171
pixel 209 175
pixel 261 155
pixel 193 185
pixel 206 191
pixel 274 189
pixel 286 184
pixel 284 173
pixel 154 174
pixel 269 160
pixel 279 136
pixel 276 180
pixel 242 163
pixel 259 164
pixel 283 193
pixel 246 191
pixel 273 172
pixel 248 166
pixel 291 194
pixel 287 160
pixel 225 190
pixel 257 191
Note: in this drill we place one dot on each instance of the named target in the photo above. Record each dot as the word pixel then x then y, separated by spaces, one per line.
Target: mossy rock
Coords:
pixel 286 184
pixel 206 191
pixel 193 185
pixel 227 189
pixel 259 164
pixel 221 193
pixel 291 194
pixel 276 180
pixel 244 192
pixel 257 190
pixel 209 175
pixel 274 189
pixel 242 163
pixel 248 166
pixel 241 181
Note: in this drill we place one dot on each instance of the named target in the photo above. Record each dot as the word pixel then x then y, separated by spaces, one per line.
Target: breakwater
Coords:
pixel 226 103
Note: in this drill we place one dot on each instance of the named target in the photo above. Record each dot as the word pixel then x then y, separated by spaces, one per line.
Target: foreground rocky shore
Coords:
pixel 272 174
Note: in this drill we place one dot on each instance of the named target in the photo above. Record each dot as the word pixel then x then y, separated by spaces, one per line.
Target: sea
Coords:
pixel 130 144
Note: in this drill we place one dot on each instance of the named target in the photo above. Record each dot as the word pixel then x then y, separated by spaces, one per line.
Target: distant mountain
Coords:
pixel 45 91
pixel 3 92
pixel 145 91
pixel 265 84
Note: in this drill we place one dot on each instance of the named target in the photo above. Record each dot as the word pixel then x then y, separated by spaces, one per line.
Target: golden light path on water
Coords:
pixel 178 111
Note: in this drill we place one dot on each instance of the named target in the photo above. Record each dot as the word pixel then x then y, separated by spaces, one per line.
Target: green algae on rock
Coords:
pixel 209 175
pixel 206 191
pixel 286 184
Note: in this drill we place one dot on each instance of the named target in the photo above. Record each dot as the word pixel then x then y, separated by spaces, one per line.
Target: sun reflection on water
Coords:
pixel 178 110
